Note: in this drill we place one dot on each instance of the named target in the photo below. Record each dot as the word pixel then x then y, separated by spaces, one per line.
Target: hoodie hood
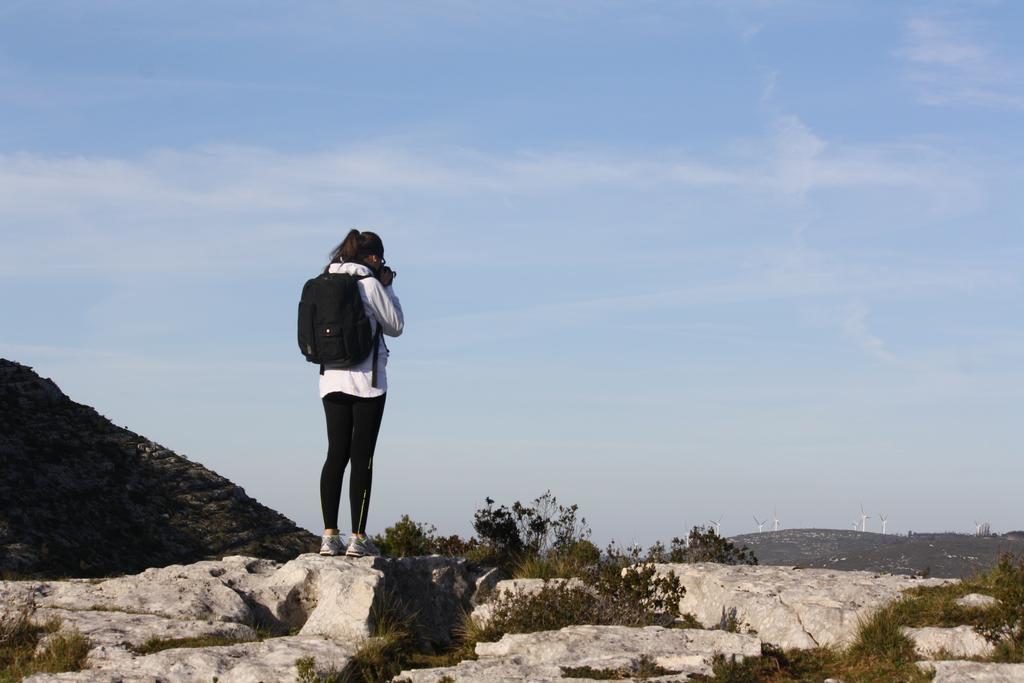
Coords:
pixel 350 269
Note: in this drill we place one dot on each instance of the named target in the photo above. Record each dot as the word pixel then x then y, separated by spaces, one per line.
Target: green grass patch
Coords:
pixel 1002 624
pixel 554 566
pixel 792 666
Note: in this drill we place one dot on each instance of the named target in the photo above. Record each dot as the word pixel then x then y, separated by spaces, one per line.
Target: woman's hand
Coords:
pixel 386 276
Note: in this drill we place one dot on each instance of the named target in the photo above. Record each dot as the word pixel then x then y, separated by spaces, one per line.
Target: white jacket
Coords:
pixel 383 309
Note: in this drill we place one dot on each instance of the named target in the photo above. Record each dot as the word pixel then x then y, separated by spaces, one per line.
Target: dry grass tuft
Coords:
pixel 19 636
pixel 159 644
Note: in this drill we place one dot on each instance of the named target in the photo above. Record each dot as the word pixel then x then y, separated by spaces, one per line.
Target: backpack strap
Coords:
pixel 376 352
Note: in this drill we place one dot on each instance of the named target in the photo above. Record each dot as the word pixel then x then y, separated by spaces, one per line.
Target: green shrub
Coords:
pixel 637 592
pixel 703 544
pixel 497 528
pixel 611 594
pixel 542 529
pixel 406 538
pixel 455 546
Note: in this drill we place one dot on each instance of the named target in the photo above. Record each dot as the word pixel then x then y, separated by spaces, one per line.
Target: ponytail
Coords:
pixel 348 250
pixel 356 246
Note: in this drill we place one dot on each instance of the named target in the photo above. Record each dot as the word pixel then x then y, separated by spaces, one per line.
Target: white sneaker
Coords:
pixel 361 546
pixel 331 545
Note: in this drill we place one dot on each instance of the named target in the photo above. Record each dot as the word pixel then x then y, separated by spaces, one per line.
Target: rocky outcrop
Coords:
pixel 327 606
pixel 81 496
pixel 538 657
pixel 259 617
pixel 335 597
pixel 789 607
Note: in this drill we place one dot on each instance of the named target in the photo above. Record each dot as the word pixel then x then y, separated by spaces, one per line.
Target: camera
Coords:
pixel 386 275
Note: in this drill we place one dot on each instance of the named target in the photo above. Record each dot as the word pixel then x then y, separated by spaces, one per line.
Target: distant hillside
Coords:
pixel 945 555
pixel 80 496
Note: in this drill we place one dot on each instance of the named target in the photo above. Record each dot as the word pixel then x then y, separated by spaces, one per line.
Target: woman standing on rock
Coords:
pixel 354 396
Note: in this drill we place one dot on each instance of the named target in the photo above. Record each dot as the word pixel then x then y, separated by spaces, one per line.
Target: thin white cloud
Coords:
pixel 115 215
pixel 750 31
pixel 251 179
pixel 769 83
pixel 855 325
pixel 949 66
pixel 780 277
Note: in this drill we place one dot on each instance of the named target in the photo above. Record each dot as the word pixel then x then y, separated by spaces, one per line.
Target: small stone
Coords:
pixel 977 601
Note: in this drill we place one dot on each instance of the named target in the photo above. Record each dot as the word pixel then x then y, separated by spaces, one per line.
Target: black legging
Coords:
pixel 352 427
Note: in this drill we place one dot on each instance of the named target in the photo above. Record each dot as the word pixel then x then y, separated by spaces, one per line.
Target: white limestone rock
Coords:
pixel 541 656
pixel 320 597
pixel 980 672
pixel 122 630
pixel 977 601
pixel 343 594
pixel 961 642
pixel 789 607
pixel 269 660
pixel 326 596
pixel 195 591
pixel 334 596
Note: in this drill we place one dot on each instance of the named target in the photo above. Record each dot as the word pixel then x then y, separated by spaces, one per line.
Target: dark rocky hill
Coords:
pixel 80 496
pixel 945 555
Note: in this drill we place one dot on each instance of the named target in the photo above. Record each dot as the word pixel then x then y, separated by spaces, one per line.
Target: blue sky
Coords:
pixel 671 261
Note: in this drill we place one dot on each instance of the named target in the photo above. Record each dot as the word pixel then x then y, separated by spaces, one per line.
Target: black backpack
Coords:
pixel 333 325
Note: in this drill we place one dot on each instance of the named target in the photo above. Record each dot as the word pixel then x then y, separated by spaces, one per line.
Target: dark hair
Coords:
pixel 356 246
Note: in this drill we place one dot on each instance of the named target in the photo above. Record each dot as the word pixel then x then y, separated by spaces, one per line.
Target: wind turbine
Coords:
pixel 882 517
pixel 856 525
pixel 977 528
pixel 863 519
pixel 717 525
pixel 760 525
pixel 775 519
